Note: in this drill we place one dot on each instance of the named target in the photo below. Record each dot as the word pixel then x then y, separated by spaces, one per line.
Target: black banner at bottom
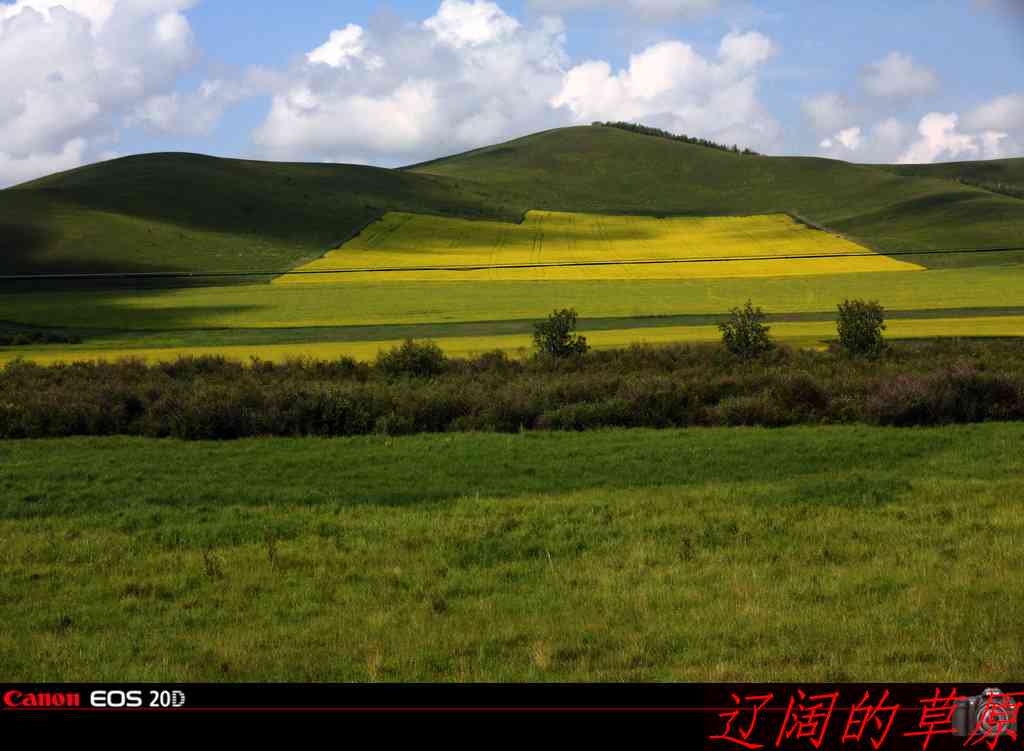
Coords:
pixel 713 715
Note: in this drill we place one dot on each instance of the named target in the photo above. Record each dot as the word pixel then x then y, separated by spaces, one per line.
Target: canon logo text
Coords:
pixel 20 700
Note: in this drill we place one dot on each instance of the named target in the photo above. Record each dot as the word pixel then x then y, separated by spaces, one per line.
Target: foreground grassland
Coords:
pixel 839 554
pixel 559 245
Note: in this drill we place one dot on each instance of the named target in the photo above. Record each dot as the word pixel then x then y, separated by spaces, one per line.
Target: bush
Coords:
pixel 744 333
pixel 860 328
pixel 801 393
pixel 508 410
pixel 587 416
pixel 907 400
pixel 658 401
pixel 497 362
pixel 418 359
pixel 757 409
pixel 643 386
pixel 557 335
pixel 974 396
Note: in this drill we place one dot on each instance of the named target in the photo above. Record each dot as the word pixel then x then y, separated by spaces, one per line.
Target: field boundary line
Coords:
pixel 485 267
pixel 352 235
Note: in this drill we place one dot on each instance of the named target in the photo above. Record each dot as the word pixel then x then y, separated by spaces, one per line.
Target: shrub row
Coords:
pixel 658 132
pixel 417 389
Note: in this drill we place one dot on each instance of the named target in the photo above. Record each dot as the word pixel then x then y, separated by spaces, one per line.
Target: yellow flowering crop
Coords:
pixel 560 245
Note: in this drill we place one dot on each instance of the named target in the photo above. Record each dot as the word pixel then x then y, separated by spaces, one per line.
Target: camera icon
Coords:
pixel 990 714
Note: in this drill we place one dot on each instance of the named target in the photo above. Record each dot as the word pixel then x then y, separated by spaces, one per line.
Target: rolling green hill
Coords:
pixel 185 212
pixel 1008 171
pixel 1001 176
pixel 606 169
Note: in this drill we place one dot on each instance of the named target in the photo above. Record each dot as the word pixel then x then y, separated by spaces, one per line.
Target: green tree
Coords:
pixel 557 335
pixel 745 333
pixel 860 328
pixel 412 358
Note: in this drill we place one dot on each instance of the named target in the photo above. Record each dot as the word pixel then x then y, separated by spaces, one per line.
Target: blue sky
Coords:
pixel 395 82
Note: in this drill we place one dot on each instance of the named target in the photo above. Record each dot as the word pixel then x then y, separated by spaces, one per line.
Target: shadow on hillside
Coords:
pixel 39 236
pixel 317 204
pixel 107 312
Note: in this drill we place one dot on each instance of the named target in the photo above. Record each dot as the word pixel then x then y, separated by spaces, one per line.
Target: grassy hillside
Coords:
pixel 185 212
pixel 170 212
pixel 1000 176
pixel 1008 171
pixel 607 169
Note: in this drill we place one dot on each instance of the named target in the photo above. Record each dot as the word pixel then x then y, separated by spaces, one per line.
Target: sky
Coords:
pixel 398 82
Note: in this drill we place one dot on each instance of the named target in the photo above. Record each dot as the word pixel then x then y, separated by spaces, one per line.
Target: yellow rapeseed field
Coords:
pixel 552 245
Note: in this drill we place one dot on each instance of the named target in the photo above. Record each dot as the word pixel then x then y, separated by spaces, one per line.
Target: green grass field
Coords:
pixel 359 319
pixel 273 345
pixel 839 554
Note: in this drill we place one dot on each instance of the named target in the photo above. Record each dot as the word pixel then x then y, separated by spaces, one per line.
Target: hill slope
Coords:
pixel 185 212
pixel 1001 176
pixel 169 212
pixel 1009 171
pixel 607 169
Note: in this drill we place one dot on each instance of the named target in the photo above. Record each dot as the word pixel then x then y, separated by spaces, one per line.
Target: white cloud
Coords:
pixel 1004 113
pixel 939 139
pixel 890 135
pixel 746 50
pixel 342 47
pixel 655 8
pixel 827 112
pixel 75 71
pixel 672 86
pixel 992 144
pixel 354 127
pixel 468 76
pixel 472 75
pixel 97 12
pixel 849 138
pixel 897 75
pixel 470 23
pixel 20 169
pixel 194 113
pixel 881 143
pixel 72 68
